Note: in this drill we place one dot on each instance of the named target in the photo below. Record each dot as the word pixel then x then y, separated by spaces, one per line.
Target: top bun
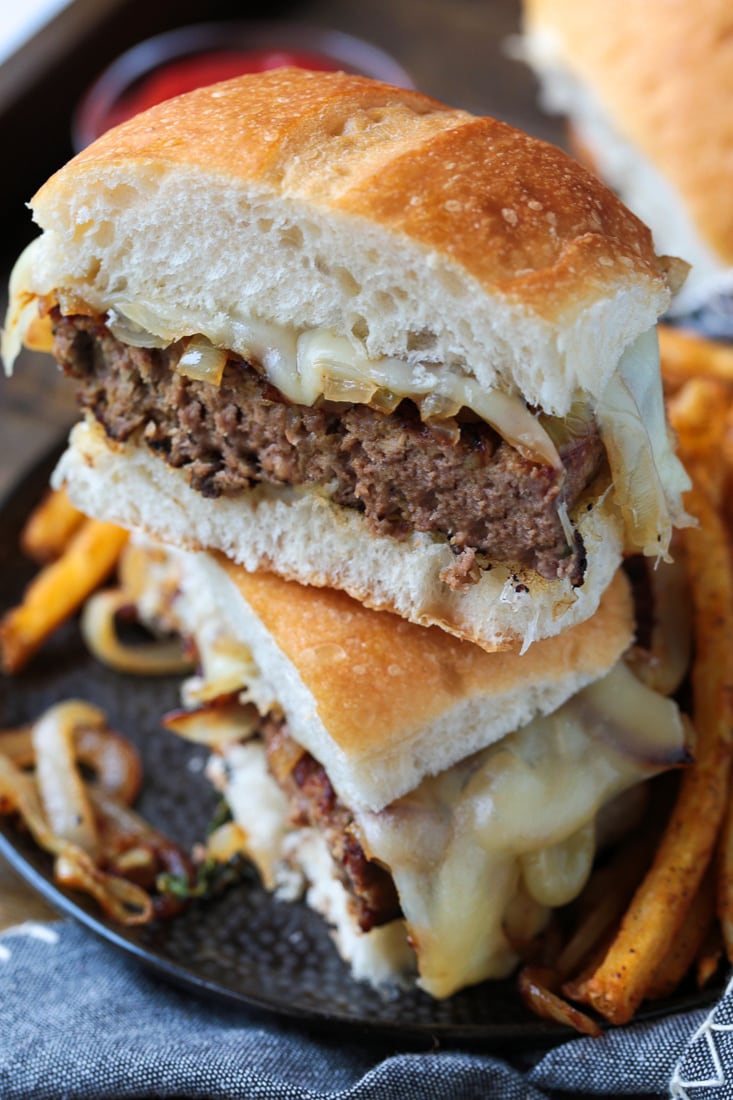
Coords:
pixel 659 77
pixel 331 201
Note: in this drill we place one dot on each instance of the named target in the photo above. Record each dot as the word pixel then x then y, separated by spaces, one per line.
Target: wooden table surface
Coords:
pixel 454 51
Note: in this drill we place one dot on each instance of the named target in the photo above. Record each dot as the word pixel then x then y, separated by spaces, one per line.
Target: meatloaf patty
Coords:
pixel 471 488
pixel 313 802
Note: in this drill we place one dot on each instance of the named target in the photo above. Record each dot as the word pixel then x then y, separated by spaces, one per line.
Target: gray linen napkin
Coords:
pixel 80 1022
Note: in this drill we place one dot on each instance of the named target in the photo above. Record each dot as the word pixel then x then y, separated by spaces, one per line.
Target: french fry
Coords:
pixel 725 882
pixel 58 590
pixel 699 414
pixel 603 902
pixel 49 527
pixel 688 943
pixel 685 355
pixel 726 458
pixel 709 956
pixel 661 903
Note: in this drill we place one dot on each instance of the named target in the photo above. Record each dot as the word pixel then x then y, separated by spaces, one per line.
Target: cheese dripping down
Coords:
pixel 480 852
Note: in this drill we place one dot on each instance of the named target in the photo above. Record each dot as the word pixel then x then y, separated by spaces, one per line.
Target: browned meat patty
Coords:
pixel 476 491
pixel 314 802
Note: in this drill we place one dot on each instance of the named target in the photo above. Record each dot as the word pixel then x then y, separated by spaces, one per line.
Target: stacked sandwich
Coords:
pixel 375 383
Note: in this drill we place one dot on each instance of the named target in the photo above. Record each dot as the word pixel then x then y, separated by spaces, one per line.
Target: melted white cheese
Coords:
pixel 479 852
pixel 648 477
pixel 307 366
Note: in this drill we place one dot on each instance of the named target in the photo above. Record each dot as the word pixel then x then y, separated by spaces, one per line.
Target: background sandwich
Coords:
pixel 647 89
pixel 376 344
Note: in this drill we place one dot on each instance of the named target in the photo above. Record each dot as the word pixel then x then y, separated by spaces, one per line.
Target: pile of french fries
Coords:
pixel 657 912
pixel 76 556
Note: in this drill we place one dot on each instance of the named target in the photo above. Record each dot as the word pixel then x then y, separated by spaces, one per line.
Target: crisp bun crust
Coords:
pixel 515 213
pixel 380 702
pixel 664 74
pixel 376 678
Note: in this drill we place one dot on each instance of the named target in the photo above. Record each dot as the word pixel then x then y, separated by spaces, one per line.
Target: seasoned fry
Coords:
pixel 49 527
pixel 708 959
pixel 660 905
pixel 699 415
pixel 603 902
pixel 725 882
pixel 58 590
pixel 685 355
pixel 687 943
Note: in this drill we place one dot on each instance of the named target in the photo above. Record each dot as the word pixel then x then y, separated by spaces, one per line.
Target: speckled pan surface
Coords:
pixel 243 948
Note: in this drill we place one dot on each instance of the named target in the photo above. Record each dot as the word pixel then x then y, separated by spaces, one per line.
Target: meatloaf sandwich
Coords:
pixel 340 331
pixel 647 89
pixel 437 801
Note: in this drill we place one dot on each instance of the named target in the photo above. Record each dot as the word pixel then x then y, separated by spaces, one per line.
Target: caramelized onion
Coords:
pixel 63 794
pixel 202 362
pixel 113 759
pixel 635 721
pixel 353 390
pixel 156 658
pixel 215 723
pixel 536 990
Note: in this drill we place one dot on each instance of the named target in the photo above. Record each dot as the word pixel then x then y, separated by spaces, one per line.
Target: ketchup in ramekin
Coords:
pixel 208 68
pixel 191 57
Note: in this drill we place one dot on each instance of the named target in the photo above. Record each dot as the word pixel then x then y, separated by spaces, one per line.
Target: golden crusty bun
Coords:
pixel 648 87
pixel 380 702
pixel 352 238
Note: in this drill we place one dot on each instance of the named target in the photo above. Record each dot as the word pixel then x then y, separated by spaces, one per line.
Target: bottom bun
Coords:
pixel 304 537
